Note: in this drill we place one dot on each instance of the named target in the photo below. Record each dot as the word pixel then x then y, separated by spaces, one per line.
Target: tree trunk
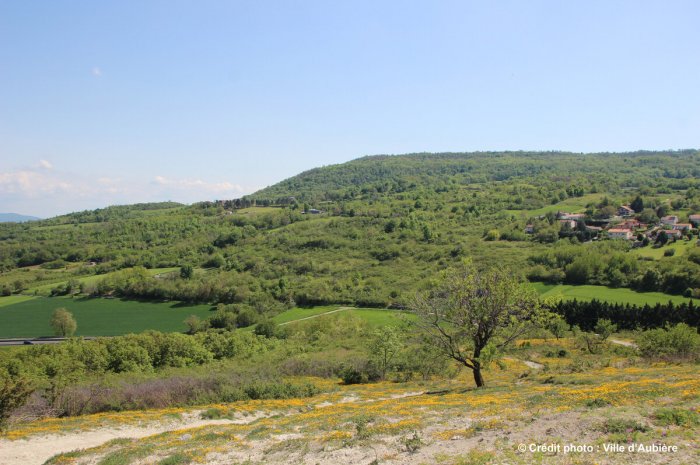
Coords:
pixel 478 378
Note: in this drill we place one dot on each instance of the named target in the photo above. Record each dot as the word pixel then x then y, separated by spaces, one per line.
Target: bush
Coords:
pixel 246 317
pixel 353 376
pixel 266 328
pixel 678 417
pixel 618 425
pixel 212 414
pixel 413 444
pixel 492 235
pixel 367 373
pixel 14 392
pixel 679 340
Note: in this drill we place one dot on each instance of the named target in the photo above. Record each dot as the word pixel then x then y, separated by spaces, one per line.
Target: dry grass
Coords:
pixel 362 423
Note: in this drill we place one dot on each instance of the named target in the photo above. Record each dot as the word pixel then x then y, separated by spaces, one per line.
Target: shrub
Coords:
pixel 353 376
pixel 678 417
pixel 604 328
pixel 619 425
pixel 412 444
pixel 266 328
pixel 597 402
pixel 366 373
pixel 14 392
pixel 212 414
pixel 361 422
pixel 176 459
pixel 679 340
pixel 492 235
pixel 246 317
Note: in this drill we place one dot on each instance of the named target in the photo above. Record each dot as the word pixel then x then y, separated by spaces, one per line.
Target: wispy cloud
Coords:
pixel 46 191
pixel 199 185
pixel 96 71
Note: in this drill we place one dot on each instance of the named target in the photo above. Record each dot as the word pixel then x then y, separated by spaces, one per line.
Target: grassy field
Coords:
pixel 680 247
pixel 619 295
pixel 572 205
pixel 373 316
pixel 23 316
pixel 303 312
pixel 14 299
pixel 379 317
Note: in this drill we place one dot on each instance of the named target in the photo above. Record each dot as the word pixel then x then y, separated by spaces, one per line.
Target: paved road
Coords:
pixel 34 341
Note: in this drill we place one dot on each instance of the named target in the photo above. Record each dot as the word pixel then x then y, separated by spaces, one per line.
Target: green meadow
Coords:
pixel 572 205
pixel 680 248
pixel 618 295
pixel 24 316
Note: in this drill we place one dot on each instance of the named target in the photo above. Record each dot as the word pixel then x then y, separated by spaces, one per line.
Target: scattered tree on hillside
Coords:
pixel 186 271
pixel 385 345
pixel 63 323
pixel 637 204
pixel 195 324
pixel 472 315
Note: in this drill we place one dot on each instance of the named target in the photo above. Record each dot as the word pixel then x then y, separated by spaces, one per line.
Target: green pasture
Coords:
pixel 14 299
pixel 681 247
pixel 620 295
pixel 373 316
pixel 571 205
pixel 300 313
pixel 25 316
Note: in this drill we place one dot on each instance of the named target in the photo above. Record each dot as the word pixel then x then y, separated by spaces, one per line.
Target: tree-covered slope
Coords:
pixel 386 173
pixel 382 227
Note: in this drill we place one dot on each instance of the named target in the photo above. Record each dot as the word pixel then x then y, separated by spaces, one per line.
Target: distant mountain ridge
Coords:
pixel 16 218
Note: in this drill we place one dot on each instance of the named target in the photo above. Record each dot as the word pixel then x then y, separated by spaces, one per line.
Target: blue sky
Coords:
pixel 129 101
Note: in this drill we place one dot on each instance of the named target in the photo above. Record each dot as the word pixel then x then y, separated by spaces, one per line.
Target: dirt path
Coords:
pixel 623 343
pixel 340 309
pixel 530 363
pixel 36 450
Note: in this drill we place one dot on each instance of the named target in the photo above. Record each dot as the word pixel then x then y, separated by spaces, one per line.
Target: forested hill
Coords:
pixel 374 230
pixel 398 173
pixel 112 213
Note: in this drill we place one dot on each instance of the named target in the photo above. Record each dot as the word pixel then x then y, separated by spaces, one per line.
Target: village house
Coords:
pixel 595 229
pixel 669 220
pixel 625 211
pixel 630 224
pixel 682 226
pixel 673 233
pixel 695 219
pixel 618 233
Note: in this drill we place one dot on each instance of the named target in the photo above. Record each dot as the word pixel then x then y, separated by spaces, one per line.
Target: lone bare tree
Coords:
pixel 472 314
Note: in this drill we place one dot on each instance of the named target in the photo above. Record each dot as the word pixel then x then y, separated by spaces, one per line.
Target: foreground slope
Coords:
pixel 617 401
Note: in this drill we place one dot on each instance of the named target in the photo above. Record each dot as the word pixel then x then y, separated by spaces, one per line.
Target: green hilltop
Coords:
pixel 373 231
